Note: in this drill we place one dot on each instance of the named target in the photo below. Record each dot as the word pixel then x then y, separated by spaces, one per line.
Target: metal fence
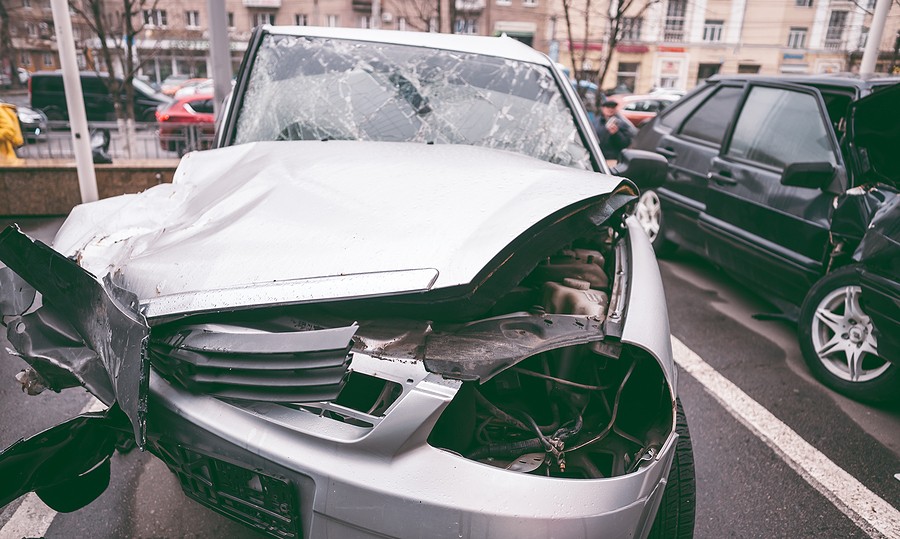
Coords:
pixel 151 141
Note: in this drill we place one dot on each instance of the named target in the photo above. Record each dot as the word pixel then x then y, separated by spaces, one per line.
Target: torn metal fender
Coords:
pixel 50 461
pixel 106 318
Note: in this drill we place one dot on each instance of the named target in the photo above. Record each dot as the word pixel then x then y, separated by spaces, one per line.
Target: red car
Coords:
pixel 187 124
pixel 640 109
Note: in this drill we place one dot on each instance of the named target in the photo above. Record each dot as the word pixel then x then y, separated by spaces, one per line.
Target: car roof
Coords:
pixel 848 80
pixel 503 46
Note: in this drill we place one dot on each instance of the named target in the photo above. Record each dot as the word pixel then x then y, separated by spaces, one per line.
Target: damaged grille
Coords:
pixel 243 363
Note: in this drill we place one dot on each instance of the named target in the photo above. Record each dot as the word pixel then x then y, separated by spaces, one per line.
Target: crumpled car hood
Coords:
pixel 263 222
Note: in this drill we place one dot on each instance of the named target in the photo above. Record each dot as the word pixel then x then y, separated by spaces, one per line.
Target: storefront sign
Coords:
pixel 632 48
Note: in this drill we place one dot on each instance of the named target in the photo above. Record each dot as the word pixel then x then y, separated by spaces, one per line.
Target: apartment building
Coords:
pixel 678 43
pixel 662 43
pixel 33 37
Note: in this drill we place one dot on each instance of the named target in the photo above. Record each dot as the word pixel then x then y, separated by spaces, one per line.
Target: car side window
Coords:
pixel 675 115
pixel 710 121
pixel 203 106
pixel 778 127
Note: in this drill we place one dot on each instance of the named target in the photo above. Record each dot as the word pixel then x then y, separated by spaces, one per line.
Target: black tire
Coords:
pixel 649 214
pixel 76 493
pixel 830 344
pixel 675 516
pixel 54 114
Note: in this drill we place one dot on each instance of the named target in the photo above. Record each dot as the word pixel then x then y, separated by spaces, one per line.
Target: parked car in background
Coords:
pixel 188 124
pixel 47 93
pixel 172 83
pixel 32 122
pixel 404 279
pixel 775 180
pixel 640 109
pixel 194 86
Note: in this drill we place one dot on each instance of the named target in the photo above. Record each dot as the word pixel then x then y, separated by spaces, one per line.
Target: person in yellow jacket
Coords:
pixel 10 133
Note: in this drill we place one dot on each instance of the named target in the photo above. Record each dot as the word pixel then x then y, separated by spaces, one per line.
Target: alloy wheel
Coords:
pixel 648 213
pixel 842 337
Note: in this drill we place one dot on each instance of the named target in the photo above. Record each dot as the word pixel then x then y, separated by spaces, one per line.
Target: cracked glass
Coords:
pixel 304 88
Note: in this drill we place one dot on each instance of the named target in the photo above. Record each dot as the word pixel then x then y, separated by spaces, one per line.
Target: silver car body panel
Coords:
pixel 336 469
pixel 213 230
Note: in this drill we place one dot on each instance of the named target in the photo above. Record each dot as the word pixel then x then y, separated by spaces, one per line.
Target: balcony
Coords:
pixel 470 6
pixel 267 4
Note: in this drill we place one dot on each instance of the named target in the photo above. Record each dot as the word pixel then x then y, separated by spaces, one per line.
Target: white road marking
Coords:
pixel 865 508
pixel 33 518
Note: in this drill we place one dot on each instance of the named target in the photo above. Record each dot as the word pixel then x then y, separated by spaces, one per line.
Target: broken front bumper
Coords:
pixel 295 473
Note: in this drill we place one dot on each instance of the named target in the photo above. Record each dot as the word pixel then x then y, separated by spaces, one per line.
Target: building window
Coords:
pixel 48 59
pixel 504 2
pixel 466 26
pixel 365 21
pixel 712 30
pixel 44 30
pixel 24 59
pixel 265 17
pixel 797 38
pixel 231 19
pixel 803 3
pixel 529 3
pixel 863 37
pixel 331 20
pixel 31 29
pixel 835 33
pixel 626 75
pixel 705 71
pixel 749 69
pixel 192 19
pixel 301 19
pixel 674 30
pixel 155 17
pixel 631 28
pixel 401 24
pixel 26 4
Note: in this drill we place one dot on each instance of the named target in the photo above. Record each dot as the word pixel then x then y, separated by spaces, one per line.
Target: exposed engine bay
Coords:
pixel 546 387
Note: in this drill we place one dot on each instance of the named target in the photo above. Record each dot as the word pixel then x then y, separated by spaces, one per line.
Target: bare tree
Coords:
pixel 622 16
pixel 617 17
pixel 116 24
pixel 7 51
pixel 418 13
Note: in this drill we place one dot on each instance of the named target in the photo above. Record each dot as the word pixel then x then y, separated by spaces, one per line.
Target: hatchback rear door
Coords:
pixel 763 231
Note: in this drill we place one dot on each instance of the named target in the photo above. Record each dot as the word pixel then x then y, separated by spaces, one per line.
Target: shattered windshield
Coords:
pixel 305 88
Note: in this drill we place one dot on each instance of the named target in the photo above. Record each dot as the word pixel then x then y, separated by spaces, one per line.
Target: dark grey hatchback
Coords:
pixel 776 180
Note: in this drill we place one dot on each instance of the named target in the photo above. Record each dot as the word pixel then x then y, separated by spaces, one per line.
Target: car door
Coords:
pixel 690 147
pixel 770 234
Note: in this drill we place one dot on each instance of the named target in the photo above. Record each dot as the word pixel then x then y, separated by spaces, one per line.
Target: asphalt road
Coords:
pixel 745 487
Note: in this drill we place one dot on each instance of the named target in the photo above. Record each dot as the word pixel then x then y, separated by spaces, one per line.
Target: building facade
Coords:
pixel 661 43
pixel 678 43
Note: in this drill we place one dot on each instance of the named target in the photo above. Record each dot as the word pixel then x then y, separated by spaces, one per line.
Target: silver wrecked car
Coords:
pixel 403 297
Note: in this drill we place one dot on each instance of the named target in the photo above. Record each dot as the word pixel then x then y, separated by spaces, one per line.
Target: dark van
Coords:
pixel 48 95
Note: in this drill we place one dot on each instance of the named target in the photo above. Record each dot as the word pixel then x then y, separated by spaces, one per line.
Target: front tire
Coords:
pixel 675 516
pixel 649 214
pixel 837 341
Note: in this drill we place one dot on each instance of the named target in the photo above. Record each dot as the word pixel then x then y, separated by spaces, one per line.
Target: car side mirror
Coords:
pixel 809 175
pixel 646 169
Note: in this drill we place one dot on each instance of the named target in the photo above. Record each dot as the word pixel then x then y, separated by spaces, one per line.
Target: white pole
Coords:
pixel 81 140
pixel 219 53
pixel 870 55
